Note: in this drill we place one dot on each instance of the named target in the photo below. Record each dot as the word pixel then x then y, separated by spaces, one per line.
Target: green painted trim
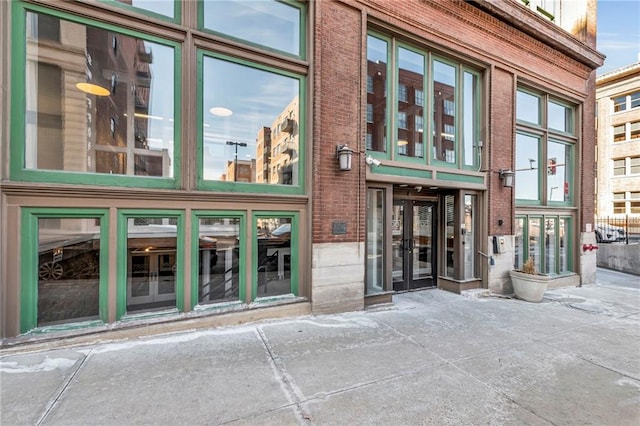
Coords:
pixel 477 124
pixel 295 246
pixel 399 171
pixel 245 187
pixel 456 113
pixel 122 255
pixel 28 273
pixel 18 80
pixel 454 177
pixel 302 8
pixel 195 248
pixel 570 176
pixel 177 10
pixel 389 101
pixel 395 94
pixel 29 263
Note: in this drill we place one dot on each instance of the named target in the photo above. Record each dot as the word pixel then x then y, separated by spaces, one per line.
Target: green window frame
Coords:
pixel 378 126
pixel 148 12
pixel 122 263
pixel 18 170
pixel 558 262
pixel 466 109
pixel 294 217
pixel 302 26
pixel 250 187
pixel 545 163
pixel 195 250
pixel 29 265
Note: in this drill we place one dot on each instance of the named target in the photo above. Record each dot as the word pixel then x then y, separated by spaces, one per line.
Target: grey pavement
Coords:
pixel 432 357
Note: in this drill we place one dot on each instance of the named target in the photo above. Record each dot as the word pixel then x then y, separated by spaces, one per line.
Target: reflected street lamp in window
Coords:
pixel 235 160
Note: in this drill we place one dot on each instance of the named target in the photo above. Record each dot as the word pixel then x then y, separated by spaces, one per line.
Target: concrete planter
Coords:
pixel 527 286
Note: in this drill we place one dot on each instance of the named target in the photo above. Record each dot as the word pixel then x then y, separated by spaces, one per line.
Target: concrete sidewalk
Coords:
pixel 431 358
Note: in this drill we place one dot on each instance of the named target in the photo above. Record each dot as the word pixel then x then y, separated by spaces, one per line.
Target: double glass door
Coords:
pixel 152 281
pixel 413 244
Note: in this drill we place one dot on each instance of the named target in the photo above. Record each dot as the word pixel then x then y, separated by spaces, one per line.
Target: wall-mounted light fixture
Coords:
pixel 344 154
pixel 507 177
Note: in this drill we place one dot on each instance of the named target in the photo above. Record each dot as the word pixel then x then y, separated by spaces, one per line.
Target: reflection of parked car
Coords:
pixel 608 233
pixel 282 232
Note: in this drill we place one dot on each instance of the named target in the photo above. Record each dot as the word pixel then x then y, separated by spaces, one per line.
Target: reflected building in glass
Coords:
pixel 169 160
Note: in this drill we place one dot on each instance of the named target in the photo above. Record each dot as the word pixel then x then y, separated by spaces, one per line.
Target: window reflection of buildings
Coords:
pixel 410 113
pixel 444 122
pixel 376 103
pixel 85 132
pixel 277 148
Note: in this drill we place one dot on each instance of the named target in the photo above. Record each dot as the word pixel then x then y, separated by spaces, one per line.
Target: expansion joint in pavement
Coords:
pixel 288 386
pixel 53 401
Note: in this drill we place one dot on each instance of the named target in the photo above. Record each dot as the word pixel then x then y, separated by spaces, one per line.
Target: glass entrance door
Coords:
pixel 151 281
pixel 413 244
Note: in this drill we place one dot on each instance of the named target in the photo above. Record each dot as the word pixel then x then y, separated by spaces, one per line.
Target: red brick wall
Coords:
pixel 500 151
pixel 454 27
pixel 337 195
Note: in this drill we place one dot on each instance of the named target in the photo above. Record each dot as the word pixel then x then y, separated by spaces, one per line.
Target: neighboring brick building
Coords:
pixel 618 127
pixel 123 126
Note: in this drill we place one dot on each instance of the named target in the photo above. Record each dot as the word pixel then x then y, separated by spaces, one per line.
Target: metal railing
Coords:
pixel 617 229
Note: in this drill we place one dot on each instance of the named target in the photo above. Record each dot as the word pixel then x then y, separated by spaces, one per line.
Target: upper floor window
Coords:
pixel 544 149
pixel 273 24
pixel 619 167
pixel 528 107
pixel 549 9
pixel 559 117
pixel 436 111
pixel 377 63
pixel 634 130
pixel 168 8
pixel 402 93
pixel 252 126
pixel 89 111
pixel 619 133
pixel 626 102
pixel 419 97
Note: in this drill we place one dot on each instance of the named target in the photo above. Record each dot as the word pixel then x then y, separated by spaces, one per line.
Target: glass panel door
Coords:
pixel 413 240
pixel 422 241
pixel 397 245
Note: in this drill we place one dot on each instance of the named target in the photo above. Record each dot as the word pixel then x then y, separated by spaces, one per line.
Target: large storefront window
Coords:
pixel 436 110
pixel 545 239
pixel 545 144
pixel 275 245
pixel 97 101
pixel 64 273
pixel 218 262
pixel 252 127
pixel 273 24
pixel 154 252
